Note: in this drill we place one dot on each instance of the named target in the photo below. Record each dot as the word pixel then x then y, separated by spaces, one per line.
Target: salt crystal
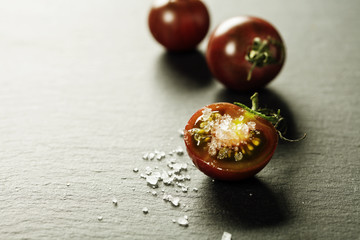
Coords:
pixel 146 156
pixel 166 197
pixel 206 114
pixel 68 184
pixel 226 236
pixel 164 175
pixel 182 221
pixel 135 170
pixel 168 181
pixel 177 167
pixel 157 174
pixel 148 170
pixel 195 189
pixel 184 189
pixel 160 155
pixel 180 177
pixel 175 201
pixel 179 151
pixel 181 132
pixel 100 218
pixel 115 202
pixel 152 181
pixel 154 193
pixel 145 210
pixel 151 156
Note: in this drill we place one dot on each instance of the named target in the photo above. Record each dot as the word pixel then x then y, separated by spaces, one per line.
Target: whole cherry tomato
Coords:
pixel 179 25
pixel 230 142
pixel 245 53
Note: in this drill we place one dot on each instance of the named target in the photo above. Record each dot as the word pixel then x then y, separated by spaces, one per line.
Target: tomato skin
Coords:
pixel 179 25
pixel 228 46
pixel 236 170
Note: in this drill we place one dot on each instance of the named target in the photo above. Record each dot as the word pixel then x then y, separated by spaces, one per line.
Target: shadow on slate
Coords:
pixel 248 204
pixel 186 70
pixel 267 99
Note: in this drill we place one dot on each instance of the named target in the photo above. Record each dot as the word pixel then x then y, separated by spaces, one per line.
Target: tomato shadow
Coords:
pixel 267 99
pixel 246 204
pixel 187 70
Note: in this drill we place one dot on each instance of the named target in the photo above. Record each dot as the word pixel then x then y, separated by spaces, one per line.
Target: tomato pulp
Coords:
pixel 227 142
pixel 245 53
pixel 179 25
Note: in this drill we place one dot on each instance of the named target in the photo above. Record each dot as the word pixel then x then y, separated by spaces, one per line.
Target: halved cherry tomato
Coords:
pixel 245 53
pixel 227 142
pixel 179 25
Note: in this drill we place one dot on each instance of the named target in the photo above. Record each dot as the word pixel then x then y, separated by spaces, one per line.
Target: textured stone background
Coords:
pixel 85 91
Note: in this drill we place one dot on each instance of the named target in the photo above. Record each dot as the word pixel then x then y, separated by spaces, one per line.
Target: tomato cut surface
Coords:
pixel 227 142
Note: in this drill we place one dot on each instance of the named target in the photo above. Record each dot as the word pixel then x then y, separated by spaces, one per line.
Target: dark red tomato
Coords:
pixel 245 53
pixel 179 25
pixel 227 142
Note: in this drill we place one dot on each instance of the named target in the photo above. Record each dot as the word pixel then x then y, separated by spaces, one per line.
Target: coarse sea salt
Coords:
pixel 227 132
pixel 226 236
pixel 183 221
pixel 152 181
pixel 145 210
pixel 169 176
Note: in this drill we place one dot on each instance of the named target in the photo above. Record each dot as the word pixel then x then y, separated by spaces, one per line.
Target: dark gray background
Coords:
pixel 85 91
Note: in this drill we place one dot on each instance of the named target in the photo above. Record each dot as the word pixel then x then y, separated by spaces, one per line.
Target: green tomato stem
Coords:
pixel 270 115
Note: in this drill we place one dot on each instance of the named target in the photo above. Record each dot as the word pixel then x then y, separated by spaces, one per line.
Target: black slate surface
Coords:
pixel 85 91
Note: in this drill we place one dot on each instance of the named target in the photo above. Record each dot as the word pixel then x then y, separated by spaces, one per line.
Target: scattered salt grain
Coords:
pixel 179 151
pixel 151 156
pixel 181 132
pixel 152 181
pixel 115 202
pixel 168 181
pixel 175 201
pixel 148 170
pixel 184 189
pixel 226 236
pixel 145 210
pixel 135 170
pixel 157 175
pixel 160 155
pixel 100 218
pixel 195 189
pixel 182 221
pixel 178 167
